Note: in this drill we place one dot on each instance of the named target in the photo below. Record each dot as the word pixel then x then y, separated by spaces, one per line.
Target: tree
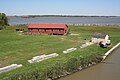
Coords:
pixel 3 20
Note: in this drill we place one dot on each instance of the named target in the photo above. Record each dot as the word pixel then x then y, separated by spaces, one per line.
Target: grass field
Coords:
pixel 18 48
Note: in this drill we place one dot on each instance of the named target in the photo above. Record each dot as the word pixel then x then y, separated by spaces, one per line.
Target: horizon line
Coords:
pixel 65 15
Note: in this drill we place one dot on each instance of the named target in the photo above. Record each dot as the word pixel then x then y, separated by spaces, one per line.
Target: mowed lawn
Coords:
pixel 17 48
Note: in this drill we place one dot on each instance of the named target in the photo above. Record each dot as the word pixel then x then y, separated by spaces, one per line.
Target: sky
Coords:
pixel 61 7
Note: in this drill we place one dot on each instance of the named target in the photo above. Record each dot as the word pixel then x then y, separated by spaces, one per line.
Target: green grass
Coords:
pixel 18 48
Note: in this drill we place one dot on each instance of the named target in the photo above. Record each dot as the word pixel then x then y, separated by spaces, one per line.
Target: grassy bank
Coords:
pixel 18 48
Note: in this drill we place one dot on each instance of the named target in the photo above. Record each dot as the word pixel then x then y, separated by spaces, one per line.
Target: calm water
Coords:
pixel 66 20
pixel 110 70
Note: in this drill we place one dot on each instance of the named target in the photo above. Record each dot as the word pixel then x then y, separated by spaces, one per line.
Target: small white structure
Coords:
pixel 11 67
pixel 42 57
pixel 100 37
pixel 86 44
pixel 69 50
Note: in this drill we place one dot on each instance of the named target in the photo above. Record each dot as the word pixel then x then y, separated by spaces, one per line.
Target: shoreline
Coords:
pixel 32 16
pixel 87 24
pixel 110 51
pixel 104 57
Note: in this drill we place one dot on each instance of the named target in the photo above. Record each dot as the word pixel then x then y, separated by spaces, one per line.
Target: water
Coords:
pixel 110 70
pixel 66 20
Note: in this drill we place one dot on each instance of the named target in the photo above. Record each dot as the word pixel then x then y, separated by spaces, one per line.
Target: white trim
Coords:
pixel 108 52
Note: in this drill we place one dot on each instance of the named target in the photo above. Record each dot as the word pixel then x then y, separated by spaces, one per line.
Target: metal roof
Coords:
pixel 47 26
pixel 99 35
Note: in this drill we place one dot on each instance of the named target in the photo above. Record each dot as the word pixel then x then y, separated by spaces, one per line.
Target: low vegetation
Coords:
pixel 17 48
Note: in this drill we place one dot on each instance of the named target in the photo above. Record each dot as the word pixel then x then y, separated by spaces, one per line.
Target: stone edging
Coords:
pixel 108 52
pixel 10 67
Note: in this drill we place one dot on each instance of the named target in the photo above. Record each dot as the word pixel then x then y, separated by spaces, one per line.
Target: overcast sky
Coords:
pixel 61 7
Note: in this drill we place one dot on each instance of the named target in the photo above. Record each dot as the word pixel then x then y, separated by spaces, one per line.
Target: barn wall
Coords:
pixel 48 30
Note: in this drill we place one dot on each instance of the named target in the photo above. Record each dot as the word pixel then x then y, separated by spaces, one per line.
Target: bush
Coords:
pixel 1 27
pixel 72 64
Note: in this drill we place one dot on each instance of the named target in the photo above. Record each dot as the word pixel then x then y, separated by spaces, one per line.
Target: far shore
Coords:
pixel 32 16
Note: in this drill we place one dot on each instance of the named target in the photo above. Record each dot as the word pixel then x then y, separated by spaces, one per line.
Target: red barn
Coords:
pixel 58 29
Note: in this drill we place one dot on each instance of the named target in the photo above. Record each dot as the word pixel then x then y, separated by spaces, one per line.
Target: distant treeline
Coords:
pixel 3 20
pixel 29 16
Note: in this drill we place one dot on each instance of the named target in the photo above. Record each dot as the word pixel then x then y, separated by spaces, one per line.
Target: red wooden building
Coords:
pixel 58 29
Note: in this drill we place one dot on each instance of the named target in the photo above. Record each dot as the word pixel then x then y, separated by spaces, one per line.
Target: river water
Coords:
pixel 109 70
pixel 66 20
